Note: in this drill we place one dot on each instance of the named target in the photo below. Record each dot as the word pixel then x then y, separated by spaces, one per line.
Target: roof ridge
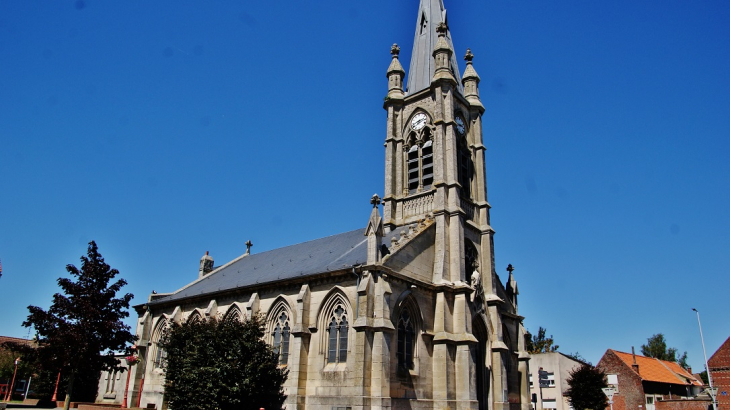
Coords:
pixel 668 368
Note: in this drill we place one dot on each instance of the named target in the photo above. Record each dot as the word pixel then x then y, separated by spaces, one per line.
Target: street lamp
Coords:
pixel 707 367
pixel 10 391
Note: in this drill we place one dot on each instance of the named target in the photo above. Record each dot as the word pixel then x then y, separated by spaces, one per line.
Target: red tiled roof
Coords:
pixel 662 371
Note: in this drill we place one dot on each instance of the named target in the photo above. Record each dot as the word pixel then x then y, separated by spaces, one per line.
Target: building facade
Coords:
pixel 558 367
pixel 405 313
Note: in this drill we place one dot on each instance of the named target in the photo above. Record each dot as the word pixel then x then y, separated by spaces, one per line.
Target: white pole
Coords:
pixel 707 367
pixel 27 389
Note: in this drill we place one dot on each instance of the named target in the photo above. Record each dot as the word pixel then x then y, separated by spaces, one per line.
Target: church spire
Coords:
pixel 431 13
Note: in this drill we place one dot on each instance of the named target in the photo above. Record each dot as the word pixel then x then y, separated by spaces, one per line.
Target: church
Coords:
pixel 407 312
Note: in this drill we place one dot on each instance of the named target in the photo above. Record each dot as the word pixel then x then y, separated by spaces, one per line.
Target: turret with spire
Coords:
pixel 395 75
pixel 442 54
pixel 471 83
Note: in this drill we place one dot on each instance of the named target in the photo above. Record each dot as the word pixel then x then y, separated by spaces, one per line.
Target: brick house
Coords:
pixel 720 370
pixel 645 383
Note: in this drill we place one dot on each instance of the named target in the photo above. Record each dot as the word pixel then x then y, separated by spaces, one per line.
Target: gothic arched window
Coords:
pixel 419 161
pixel 195 317
pixel 234 314
pixel 159 357
pixel 281 335
pixel 406 340
pixel 337 330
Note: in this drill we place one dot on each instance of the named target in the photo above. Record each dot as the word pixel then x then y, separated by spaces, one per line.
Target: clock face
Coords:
pixel 419 121
pixel 460 127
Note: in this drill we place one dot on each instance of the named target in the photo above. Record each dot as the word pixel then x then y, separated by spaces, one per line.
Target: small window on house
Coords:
pixel 549 404
pixel 551 379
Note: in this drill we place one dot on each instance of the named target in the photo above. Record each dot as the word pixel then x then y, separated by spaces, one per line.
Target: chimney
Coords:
pixel 634 366
pixel 206 265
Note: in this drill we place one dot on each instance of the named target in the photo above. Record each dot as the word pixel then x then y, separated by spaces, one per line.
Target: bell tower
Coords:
pixel 435 168
pixel 434 154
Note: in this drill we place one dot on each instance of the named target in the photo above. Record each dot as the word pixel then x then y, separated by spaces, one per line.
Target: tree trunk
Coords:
pixel 69 389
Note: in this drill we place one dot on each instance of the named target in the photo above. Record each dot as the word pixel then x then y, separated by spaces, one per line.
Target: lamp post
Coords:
pixel 707 367
pixel 55 390
pixel 10 390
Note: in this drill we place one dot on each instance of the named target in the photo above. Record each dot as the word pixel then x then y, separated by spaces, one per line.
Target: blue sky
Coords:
pixel 162 130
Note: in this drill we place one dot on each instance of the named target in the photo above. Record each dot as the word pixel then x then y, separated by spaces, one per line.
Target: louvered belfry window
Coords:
pixel 419 158
pixel 466 167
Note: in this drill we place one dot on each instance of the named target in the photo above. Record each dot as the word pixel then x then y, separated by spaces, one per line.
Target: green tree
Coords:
pixel 221 365
pixel 577 356
pixel 656 347
pixel 9 352
pixel 540 343
pixel 83 328
pixel 703 376
pixel 584 391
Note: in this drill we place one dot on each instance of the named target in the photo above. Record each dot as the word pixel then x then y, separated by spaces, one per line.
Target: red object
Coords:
pixel 55 391
pixel 126 388
pixel 10 390
pixel 139 396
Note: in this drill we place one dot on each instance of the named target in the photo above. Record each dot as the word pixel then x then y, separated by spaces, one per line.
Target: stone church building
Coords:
pixel 405 313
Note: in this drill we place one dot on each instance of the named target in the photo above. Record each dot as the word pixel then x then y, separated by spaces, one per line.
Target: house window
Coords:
pixel 406 341
pixel 281 335
pixel 551 379
pixel 549 404
pixel 337 330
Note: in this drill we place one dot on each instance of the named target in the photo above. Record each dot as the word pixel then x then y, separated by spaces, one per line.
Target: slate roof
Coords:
pixel 322 255
pixel 430 14
pixel 655 370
